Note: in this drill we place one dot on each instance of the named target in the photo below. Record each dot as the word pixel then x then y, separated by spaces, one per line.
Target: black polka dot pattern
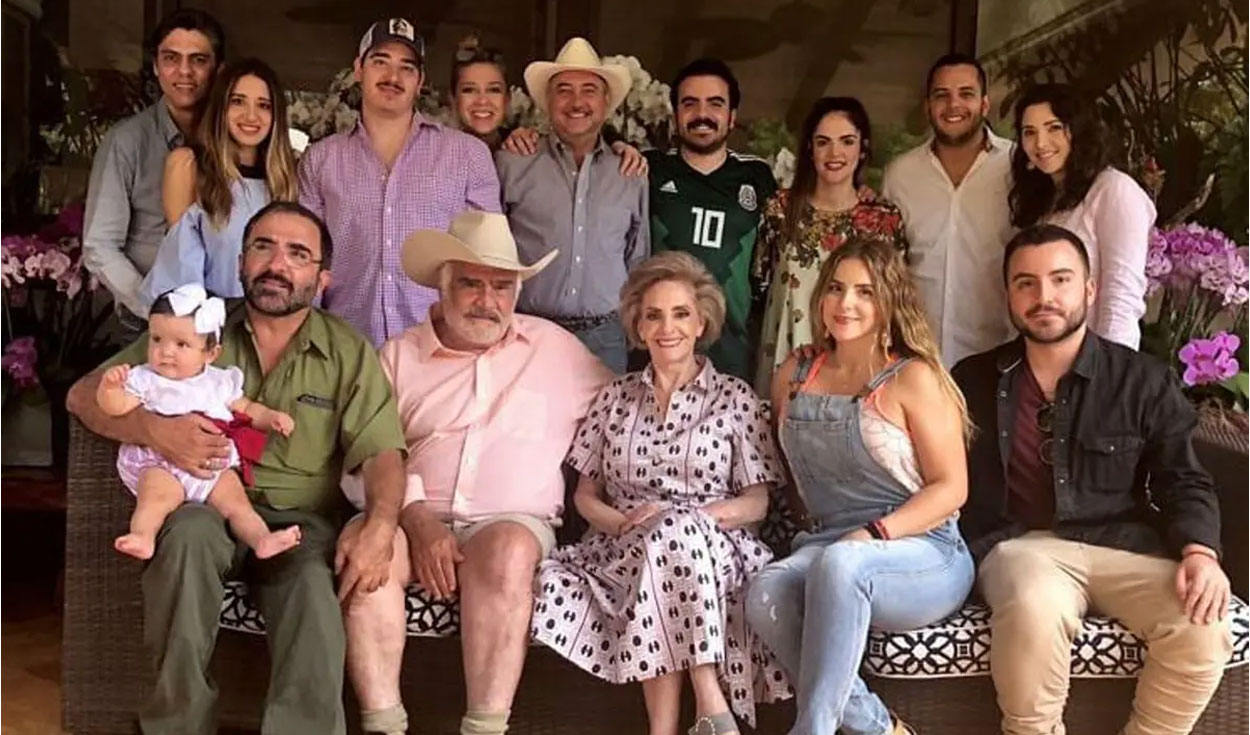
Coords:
pixel 667 596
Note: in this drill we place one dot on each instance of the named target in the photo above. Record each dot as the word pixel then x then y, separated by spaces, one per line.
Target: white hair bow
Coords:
pixel 210 311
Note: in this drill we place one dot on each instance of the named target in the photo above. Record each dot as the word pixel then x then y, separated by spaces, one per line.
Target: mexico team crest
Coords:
pixel 746 197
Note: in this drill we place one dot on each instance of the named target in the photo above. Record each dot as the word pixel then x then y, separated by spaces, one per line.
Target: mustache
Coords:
pixel 702 122
pixel 1036 310
pixel 390 85
pixel 271 276
pixel 494 316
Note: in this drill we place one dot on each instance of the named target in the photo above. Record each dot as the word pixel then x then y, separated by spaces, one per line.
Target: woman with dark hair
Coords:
pixel 241 159
pixel 1060 175
pixel 802 225
pixel 480 95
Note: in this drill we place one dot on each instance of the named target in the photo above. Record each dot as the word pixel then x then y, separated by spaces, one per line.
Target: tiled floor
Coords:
pixel 31 674
pixel 30 623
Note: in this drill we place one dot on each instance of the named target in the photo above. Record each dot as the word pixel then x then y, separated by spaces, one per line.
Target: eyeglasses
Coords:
pixel 297 255
pixel 1045 423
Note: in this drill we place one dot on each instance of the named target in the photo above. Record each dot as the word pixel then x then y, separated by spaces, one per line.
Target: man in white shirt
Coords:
pixel 952 191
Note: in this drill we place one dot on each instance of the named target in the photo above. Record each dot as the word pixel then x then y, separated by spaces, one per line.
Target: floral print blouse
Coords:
pixel 789 268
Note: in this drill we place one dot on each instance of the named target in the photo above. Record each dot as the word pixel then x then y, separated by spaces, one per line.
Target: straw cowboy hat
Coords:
pixel 474 237
pixel 577 55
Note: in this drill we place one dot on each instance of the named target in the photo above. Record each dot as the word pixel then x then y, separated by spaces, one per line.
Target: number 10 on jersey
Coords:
pixel 709 226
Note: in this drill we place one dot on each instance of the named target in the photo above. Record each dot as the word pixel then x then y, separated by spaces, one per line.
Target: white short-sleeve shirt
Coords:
pixel 210 393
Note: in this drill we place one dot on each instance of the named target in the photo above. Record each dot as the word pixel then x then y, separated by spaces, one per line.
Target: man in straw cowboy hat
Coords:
pixel 572 195
pixel 489 401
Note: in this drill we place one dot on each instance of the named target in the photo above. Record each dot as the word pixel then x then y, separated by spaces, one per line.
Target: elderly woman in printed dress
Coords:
pixel 676 465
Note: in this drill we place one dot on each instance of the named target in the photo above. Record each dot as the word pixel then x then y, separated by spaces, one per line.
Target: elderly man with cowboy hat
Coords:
pixel 489 401
pixel 572 195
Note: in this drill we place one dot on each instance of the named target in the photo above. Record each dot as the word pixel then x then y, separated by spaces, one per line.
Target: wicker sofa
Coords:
pixel 936 677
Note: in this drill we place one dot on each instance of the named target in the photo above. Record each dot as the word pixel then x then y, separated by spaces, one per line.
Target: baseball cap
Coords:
pixel 392 29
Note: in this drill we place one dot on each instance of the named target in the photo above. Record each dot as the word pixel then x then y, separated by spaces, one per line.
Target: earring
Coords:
pixel 885 342
pixel 1030 166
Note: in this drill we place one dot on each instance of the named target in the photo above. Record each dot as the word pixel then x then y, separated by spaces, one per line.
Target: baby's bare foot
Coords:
pixel 277 542
pixel 136 545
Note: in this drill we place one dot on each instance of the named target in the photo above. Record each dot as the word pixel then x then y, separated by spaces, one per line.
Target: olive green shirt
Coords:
pixel 330 381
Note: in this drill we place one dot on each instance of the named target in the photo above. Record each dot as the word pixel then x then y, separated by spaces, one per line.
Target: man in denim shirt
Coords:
pixel 1072 429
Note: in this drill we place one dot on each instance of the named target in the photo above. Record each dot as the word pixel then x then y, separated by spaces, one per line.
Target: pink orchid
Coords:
pixel 55 264
pixel 19 361
pixel 1210 360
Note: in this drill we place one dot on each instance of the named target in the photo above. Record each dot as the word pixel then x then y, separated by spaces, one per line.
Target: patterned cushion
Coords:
pixel 960 646
pixel 956 646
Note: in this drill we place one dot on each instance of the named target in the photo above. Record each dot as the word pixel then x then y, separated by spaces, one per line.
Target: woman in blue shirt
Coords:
pixel 214 186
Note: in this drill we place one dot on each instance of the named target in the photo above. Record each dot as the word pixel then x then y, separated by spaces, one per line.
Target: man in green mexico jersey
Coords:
pixel 706 200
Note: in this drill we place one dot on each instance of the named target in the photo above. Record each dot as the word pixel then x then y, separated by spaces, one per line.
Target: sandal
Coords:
pixel 899 727
pixel 721 724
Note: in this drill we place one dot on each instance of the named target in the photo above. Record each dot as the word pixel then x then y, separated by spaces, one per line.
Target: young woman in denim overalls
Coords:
pixel 873 431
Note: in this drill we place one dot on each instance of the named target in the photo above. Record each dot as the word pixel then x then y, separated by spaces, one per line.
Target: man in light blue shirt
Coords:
pixel 124 222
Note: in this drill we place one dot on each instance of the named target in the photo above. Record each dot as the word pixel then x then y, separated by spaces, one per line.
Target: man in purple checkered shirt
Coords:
pixel 395 173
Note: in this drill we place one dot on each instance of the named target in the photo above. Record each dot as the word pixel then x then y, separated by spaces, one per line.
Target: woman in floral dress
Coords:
pixel 676 464
pixel 802 225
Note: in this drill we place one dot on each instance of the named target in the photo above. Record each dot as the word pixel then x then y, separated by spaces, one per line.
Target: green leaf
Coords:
pixel 1240 385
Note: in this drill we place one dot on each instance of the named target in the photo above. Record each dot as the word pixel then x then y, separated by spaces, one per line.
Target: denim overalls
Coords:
pixel 814 608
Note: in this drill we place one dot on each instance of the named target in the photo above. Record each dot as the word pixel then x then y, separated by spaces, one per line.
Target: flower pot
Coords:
pixel 26 426
pixel 1222 448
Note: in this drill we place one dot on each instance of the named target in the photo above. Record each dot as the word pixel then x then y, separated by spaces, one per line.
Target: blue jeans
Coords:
pixel 607 342
pixel 814 607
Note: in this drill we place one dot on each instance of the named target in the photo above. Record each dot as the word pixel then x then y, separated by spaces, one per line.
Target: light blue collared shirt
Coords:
pixel 194 251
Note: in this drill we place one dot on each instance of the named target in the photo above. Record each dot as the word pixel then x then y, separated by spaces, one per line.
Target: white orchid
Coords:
pixel 783 165
pixel 643 119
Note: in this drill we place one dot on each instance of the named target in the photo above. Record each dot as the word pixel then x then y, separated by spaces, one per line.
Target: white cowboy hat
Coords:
pixel 474 237
pixel 577 55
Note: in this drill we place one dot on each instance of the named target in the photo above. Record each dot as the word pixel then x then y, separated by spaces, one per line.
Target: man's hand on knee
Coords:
pixel 1202 586
pixel 362 559
pixel 434 551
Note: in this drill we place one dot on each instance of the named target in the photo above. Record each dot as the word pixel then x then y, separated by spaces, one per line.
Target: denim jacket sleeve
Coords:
pixel 1179 486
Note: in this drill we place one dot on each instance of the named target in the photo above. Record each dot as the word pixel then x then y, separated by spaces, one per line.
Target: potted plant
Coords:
pixel 52 324
pixel 1200 278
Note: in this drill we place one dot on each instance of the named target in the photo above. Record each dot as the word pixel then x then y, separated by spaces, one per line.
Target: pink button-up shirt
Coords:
pixel 487 432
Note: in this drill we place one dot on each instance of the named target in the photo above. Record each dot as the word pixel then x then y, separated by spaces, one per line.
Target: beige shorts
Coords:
pixel 543 531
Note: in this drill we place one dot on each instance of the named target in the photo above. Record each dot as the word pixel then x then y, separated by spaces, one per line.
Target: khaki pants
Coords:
pixel 1040 586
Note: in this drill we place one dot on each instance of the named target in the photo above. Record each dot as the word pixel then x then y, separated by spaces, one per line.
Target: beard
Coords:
pixel 479 329
pixel 1072 321
pixel 975 123
pixel 702 148
pixel 274 295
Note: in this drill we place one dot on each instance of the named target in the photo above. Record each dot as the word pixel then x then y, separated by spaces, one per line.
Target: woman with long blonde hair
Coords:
pixel 873 430
pixel 241 159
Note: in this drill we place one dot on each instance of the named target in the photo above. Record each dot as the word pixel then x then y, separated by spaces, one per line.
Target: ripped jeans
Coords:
pixel 813 610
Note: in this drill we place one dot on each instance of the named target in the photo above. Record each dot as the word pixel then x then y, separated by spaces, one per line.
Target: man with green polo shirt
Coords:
pixel 706 200
pixel 315 367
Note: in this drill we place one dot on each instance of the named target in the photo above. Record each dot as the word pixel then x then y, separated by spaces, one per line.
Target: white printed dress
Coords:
pixel 666 596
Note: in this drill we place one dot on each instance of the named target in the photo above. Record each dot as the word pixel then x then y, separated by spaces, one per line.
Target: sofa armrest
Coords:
pixel 1221 449
pixel 103 669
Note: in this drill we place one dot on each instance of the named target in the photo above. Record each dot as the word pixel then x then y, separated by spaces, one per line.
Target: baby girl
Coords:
pixel 184 332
